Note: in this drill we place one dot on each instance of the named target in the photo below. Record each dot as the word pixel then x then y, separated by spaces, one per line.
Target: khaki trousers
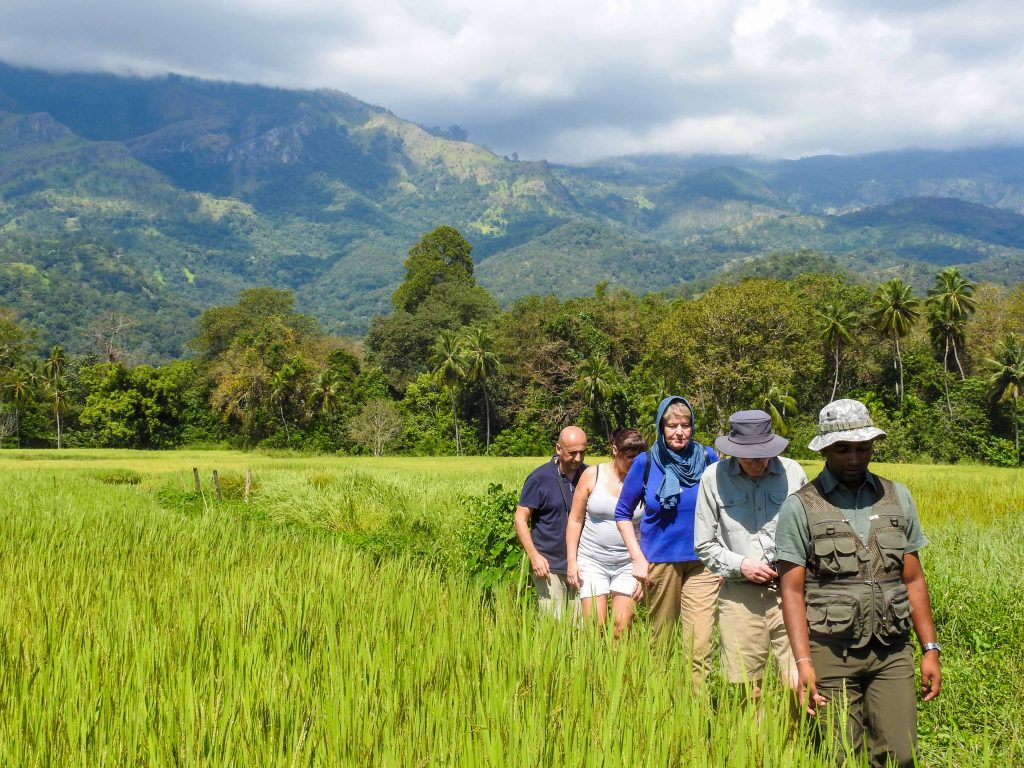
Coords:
pixel 554 594
pixel 874 686
pixel 686 591
pixel 750 623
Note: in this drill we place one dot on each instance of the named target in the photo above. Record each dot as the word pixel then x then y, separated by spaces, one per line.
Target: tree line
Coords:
pixel 451 372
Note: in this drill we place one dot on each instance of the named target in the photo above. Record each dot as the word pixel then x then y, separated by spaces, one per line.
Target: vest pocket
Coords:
pixel 836 556
pixel 896 621
pixel 891 545
pixel 835 616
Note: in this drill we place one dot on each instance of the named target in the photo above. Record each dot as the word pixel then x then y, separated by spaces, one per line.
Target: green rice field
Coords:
pixel 328 621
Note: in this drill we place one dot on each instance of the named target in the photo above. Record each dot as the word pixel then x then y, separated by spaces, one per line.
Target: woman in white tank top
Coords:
pixel 598 561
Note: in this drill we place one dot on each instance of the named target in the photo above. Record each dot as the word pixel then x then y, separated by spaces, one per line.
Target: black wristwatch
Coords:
pixel 925 647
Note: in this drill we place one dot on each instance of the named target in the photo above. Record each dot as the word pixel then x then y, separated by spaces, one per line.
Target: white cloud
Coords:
pixel 574 79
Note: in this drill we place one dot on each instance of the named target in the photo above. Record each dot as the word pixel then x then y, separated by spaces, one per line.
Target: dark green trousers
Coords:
pixel 874 687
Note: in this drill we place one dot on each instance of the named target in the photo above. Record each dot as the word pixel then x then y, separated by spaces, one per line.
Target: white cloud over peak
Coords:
pixel 572 80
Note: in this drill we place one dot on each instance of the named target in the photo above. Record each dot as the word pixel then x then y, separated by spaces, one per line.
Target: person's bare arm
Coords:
pixel 574 526
pixel 538 563
pixel 924 625
pixel 794 614
pixel 640 564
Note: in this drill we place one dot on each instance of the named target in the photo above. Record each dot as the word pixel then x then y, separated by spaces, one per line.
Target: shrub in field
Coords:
pixel 487 543
pixel 120 477
pixel 527 440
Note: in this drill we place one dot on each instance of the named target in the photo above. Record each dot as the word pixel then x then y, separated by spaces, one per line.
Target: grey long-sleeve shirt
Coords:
pixel 736 515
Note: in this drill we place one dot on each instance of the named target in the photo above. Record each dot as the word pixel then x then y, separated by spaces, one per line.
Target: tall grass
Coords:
pixel 140 625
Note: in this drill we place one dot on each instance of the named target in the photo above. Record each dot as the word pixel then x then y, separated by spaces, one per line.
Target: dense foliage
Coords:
pixel 451 372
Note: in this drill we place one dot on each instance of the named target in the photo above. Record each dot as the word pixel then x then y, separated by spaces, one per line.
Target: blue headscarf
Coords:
pixel 682 469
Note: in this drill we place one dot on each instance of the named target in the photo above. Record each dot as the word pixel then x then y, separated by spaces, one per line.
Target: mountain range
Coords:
pixel 143 201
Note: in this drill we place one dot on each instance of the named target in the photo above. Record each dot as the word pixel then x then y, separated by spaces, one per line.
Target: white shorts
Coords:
pixel 598 579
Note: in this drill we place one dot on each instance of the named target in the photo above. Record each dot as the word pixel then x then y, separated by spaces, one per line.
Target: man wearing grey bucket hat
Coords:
pixel 737 509
pixel 852 587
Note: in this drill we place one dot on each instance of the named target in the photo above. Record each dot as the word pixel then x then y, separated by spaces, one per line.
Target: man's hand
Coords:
pixel 757 572
pixel 539 565
pixel 806 688
pixel 931 675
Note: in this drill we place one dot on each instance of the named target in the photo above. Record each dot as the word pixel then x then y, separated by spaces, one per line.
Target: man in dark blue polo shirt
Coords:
pixel 542 515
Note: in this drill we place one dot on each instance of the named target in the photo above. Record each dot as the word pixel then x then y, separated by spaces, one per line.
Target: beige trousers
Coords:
pixel 554 594
pixel 686 591
pixel 751 626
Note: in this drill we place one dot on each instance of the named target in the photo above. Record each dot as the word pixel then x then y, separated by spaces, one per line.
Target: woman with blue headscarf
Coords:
pixel 665 564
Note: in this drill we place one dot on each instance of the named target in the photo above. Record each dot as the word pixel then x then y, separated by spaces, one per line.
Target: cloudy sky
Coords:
pixel 571 80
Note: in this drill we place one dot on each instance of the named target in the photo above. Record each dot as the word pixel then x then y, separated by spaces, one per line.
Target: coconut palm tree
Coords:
pixel 481 365
pixel 53 370
pixel 950 303
pixel 895 310
pixel 944 330
pixel 594 382
pixel 1007 378
pixel 23 388
pixel 837 330
pixel 449 360
pixel 325 394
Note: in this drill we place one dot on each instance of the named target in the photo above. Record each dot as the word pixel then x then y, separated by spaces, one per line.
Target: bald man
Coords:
pixel 542 515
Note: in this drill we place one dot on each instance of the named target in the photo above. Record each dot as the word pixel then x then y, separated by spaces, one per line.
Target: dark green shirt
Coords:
pixel 793 536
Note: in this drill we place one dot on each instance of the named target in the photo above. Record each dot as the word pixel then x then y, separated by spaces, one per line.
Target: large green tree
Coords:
pixel 734 343
pixel 439 293
pixel 262 358
pixel 441 256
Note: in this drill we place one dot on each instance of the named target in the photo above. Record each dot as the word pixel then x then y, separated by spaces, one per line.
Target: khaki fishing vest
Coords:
pixel 855 591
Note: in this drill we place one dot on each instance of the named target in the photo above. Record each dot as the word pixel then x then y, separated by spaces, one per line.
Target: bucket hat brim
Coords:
pixel 860 435
pixel 766 450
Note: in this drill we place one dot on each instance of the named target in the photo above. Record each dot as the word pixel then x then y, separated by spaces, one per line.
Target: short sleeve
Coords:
pixel 531 496
pixel 792 535
pixel 915 534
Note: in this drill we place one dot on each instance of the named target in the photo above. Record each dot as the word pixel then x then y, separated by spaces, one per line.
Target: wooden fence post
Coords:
pixel 195 479
pixel 216 483
pixel 248 484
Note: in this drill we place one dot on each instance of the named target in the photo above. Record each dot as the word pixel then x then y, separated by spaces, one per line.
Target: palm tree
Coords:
pixel 776 402
pixel 1007 378
pixel 951 302
pixel 836 328
pixel 481 365
pixel 449 361
pixel 595 383
pixel 895 310
pixel 53 370
pixel 944 330
pixel 325 394
pixel 23 388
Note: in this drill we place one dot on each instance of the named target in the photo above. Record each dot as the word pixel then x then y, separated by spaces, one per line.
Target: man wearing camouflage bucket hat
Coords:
pixel 852 586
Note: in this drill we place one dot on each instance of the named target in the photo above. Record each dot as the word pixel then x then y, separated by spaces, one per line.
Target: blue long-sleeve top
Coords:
pixel 666 536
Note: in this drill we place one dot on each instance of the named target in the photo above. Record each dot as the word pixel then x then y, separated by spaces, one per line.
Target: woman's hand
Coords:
pixel 641 570
pixel 572 575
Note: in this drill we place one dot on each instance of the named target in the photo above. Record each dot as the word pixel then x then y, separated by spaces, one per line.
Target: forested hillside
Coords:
pixel 135 204
pixel 451 372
